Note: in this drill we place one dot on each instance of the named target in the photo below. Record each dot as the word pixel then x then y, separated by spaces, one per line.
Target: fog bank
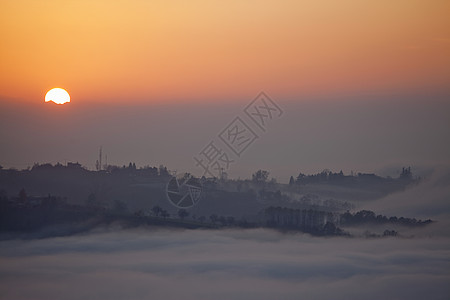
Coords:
pixel 226 264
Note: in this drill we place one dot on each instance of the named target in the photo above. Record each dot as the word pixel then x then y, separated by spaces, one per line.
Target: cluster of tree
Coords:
pixel 329 177
pixel 213 219
pixel 22 200
pixel 367 216
pixel 386 233
pixel 260 176
pixel 148 171
pixel 158 211
pixel 406 173
pixel 30 213
pixel 323 177
pixel 57 166
pixel 227 221
pixel 307 220
pixel 317 222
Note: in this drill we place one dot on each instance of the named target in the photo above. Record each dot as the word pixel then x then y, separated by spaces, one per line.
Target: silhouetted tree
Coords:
pixel 182 213
pixel 330 229
pixel 260 176
pixel 156 210
pixel 406 173
pixel 300 178
pixel 213 218
pixel 163 171
pixel 367 216
pixel 164 214
pixel 291 180
pixel 390 233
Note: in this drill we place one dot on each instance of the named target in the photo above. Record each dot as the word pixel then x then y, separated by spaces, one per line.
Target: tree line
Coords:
pixel 368 216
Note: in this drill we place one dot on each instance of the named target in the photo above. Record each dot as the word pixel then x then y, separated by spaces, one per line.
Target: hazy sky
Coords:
pixel 363 136
pixel 363 86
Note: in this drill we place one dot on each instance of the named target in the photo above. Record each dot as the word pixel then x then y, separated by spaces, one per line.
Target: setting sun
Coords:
pixel 57 95
pixel 315 135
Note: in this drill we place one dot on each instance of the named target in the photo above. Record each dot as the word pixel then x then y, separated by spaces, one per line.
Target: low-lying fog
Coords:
pixel 223 264
pixel 430 198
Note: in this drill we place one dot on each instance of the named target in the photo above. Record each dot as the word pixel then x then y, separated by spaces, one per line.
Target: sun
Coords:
pixel 57 95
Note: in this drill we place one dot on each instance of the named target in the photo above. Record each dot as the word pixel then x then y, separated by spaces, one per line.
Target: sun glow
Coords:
pixel 57 95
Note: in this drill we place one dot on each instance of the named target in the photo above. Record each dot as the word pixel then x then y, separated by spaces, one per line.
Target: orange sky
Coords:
pixel 135 50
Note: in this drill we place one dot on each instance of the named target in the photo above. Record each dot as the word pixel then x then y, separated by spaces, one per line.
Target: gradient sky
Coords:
pixel 364 85
pixel 138 50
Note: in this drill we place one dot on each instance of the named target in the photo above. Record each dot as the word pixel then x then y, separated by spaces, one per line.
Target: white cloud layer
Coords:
pixel 225 264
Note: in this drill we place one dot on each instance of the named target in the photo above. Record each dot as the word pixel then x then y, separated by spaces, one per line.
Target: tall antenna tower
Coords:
pixel 98 163
pixel 100 158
